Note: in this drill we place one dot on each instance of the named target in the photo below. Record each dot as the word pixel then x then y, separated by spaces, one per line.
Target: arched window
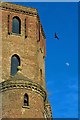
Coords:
pixel 15 62
pixel 16 25
pixel 26 100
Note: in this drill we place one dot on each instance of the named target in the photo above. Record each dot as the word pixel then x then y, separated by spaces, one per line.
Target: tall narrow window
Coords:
pixel 16 25
pixel 26 100
pixel 9 30
pixel 40 74
pixel 26 27
pixel 38 32
pixel 9 24
pixel 15 62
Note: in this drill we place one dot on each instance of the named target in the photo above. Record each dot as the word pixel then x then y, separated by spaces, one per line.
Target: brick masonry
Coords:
pixel 31 50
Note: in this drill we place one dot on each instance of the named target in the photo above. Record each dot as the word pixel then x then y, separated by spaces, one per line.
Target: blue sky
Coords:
pixel 61 79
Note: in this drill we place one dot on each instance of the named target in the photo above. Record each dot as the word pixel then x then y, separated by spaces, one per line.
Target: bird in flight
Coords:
pixel 55 36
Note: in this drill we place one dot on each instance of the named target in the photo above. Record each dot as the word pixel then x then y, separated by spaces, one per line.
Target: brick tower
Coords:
pixel 22 85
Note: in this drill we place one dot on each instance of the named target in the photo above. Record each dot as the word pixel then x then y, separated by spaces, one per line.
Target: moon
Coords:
pixel 67 64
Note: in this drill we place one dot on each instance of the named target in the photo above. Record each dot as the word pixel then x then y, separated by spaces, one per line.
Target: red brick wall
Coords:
pixel 13 105
pixel 28 49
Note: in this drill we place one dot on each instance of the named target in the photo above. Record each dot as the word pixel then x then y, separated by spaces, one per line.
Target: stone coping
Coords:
pixel 23 84
pixel 18 8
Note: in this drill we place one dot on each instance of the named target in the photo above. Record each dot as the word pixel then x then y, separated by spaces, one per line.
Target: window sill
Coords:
pixel 14 34
pixel 28 107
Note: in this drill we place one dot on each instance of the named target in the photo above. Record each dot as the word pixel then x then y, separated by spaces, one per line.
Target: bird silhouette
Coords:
pixel 55 36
